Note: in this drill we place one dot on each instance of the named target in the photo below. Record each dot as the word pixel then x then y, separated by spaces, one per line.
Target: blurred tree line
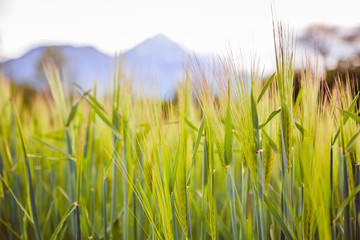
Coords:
pixel 339 49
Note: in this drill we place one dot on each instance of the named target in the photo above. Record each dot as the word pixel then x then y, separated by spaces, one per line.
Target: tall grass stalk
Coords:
pixel 235 154
pixel 33 207
pixel 357 202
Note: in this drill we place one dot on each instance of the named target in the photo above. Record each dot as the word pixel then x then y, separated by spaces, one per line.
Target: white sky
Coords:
pixel 206 26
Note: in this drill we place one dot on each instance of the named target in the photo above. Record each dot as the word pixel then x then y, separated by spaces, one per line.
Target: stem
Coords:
pixel 104 207
pixel 231 195
pixel 333 225
pixel 203 184
pixel 357 202
pixel 174 217
pixel 71 177
pixel 78 228
pixel 189 231
pixel 347 220
pixel 124 194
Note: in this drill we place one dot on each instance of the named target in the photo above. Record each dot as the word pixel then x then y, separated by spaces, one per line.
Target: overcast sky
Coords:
pixel 202 25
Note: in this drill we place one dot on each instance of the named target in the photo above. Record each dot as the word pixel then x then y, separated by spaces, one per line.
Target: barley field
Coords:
pixel 236 155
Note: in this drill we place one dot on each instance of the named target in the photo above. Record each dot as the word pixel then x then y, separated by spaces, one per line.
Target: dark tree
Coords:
pixel 318 37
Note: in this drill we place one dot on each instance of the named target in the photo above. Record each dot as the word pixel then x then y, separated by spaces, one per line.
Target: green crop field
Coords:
pixel 247 160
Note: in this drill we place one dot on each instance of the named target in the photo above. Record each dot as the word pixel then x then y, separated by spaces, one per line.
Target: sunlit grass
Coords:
pixel 235 156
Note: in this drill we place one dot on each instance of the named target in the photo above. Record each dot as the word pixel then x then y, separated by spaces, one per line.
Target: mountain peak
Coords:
pixel 156 48
pixel 158 58
pixel 159 42
pixel 159 37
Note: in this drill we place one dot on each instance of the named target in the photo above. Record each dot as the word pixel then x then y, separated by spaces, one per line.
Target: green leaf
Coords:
pixel 104 199
pixel 11 230
pixel 188 215
pixel 300 127
pixel 255 121
pixel 187 121
pixel 72 112
pixel 254 112
pixel 286 229
pixel 271 116
pixel 17 200
pixel 174 217
pixel 29 178
pixel 93 99
pixel 54 148
pixel 270 141
pixel 74 108
pixel 346 202
pixel 297 125
pixel 71 208
pixel 351 115
pixel 231 194
pixel 342 136
pixel 347 211
pixel 197 143
pixel 87 93
pixel 346 117
pixel 241 214
pixel 143 199
pixel 174 168
pixel 352 141
pixel 103 118
pixel 266 86
pixel 228 138
pixel 205 162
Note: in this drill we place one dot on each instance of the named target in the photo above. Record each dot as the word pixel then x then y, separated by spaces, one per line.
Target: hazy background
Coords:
pixel 204 25
pixel 330 27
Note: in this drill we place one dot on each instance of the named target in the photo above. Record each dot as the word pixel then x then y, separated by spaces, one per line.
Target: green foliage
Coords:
pixel 243 162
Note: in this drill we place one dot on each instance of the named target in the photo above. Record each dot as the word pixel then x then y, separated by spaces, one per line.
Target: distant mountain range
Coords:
pixel 155 63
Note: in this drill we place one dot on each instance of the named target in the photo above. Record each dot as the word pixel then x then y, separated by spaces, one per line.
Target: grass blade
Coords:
pixel 266 86
pixel 347 217
pixel 271 116
pixel 29 178
pixel 350 114
pixel 104 200
pixel 17 200
pixel 72 207
pixel 351 142
pixel 197 143
pixel 346 117
pixel 104 118
pixel 286 229
pixel 345 203
pixel 333 225
pixel 125 194
pixel 74 108
pixel 204 180
pixel 228 138
pixel 212 206
pixel 270 141
pixel 357 202
pixel 10 229
pixel 231 195
pixel 187 121
pixel 175 232
pixel 54 148
pixel 189 230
